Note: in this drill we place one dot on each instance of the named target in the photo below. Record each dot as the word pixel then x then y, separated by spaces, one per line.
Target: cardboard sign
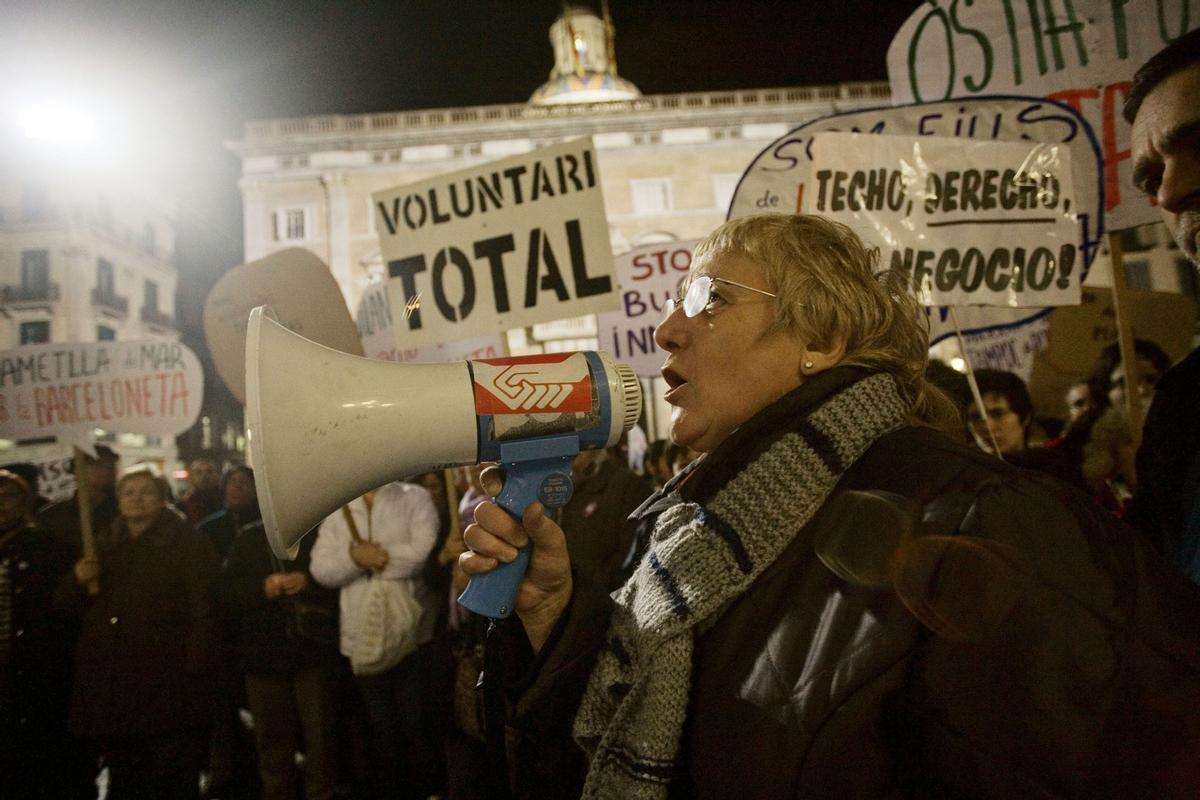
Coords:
pixel 648 276
pixel 1077 334
pixel 375 330
pixel 498 246
pixel 68 390
pixel 1080 52
pixel 298 287
pixel 968 223
pixel 779 177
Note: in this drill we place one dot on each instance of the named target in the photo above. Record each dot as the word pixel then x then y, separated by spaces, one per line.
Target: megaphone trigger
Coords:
pixel 540 470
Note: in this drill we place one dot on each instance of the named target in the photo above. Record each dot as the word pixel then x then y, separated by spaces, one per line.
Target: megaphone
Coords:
pixel 326 427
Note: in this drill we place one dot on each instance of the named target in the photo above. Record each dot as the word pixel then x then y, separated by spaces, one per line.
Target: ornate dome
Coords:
pixel 585 69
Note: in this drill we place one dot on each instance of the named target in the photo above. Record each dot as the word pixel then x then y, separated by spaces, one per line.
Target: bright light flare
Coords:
pixel 58 123
pixel 958 364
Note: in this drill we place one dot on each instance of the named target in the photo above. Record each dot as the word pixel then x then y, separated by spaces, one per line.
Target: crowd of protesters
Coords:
pixel 823 596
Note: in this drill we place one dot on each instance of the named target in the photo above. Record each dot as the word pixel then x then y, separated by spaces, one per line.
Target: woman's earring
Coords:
pixel 808 365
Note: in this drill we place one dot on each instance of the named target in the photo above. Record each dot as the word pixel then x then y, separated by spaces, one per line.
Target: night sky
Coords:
pixel 177 79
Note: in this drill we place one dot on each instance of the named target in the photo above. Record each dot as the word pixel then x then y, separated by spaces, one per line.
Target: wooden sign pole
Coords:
pixel 83 493
pixel 1133 404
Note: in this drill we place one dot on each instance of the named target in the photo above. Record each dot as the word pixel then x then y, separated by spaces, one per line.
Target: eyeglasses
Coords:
pixel 699 295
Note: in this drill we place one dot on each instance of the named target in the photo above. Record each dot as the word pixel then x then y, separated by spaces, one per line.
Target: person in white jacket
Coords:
pixel 398 526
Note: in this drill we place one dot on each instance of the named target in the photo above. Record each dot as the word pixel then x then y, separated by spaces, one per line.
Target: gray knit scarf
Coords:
pixel 701 558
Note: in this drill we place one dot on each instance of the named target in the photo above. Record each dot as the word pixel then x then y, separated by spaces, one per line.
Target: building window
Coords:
pixel 651 195
pixel 291 225
pixel 105 334
pixel 150 297
pixel 34 204
pixel 1137 274
pixel 37 332
pixel 105 282
pixel 724 186
pixel 35 273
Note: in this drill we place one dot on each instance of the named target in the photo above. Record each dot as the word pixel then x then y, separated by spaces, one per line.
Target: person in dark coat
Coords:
pixel 61 519
pixel 203 497
pixel 606 491
pixel 146 656
pixel 232 769
pixel 289 664
pixel 35 654
pixel 1163 106
pixel 837 600
pixel 240 509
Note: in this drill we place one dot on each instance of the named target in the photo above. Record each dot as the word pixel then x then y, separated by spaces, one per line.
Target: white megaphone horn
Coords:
pixel 326 427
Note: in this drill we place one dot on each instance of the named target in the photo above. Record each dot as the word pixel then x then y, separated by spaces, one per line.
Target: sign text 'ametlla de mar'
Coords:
pixel 502 245
pixel 67 390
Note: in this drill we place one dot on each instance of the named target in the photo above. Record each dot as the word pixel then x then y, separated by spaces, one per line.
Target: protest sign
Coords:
pixel 298 287
pixel 966 222
pixel 68 390
pixel 498 246
pixel 374 320
pixel 648 276
pixel 1080 52
pixel 1012 349
pixel 778 177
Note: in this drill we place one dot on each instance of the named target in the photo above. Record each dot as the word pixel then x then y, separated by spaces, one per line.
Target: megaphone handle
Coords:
pixel 547 480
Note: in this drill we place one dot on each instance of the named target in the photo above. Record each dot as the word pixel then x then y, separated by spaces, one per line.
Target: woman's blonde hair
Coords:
pixel 829 285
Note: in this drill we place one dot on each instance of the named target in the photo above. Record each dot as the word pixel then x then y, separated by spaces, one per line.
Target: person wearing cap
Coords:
pixel 61 519
pixel 35 653
pixel 1163 106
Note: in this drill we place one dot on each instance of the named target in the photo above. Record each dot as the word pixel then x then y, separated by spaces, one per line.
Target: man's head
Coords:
pixel 1009 411
pixel 237 487
pixel 203 475
pixel 101 475
pixel 1163 106
pixel 1107 382
pixel 1078 400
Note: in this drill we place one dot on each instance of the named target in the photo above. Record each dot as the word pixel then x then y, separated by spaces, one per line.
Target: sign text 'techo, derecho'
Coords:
pixel 68 390
pixel 502 245
pixel 966 222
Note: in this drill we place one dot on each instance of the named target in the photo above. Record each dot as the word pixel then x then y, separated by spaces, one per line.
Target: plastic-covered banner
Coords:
pixel 1079 52
pixel 968 223
pixel 69 390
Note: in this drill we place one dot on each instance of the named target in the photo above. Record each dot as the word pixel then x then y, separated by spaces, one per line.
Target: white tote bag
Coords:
pixel 388 625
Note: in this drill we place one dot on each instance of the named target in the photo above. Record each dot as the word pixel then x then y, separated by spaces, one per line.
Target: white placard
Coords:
pixel 778 177
pixel 1080 52
pixel 68 390
pixel 498 246
pixel 969 223
pixel 649 276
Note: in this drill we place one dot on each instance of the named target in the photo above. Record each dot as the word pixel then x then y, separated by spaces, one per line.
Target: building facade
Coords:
pixel 83 258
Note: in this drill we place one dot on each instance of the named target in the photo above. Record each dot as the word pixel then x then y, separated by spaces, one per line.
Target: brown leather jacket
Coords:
pixel 1042 651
